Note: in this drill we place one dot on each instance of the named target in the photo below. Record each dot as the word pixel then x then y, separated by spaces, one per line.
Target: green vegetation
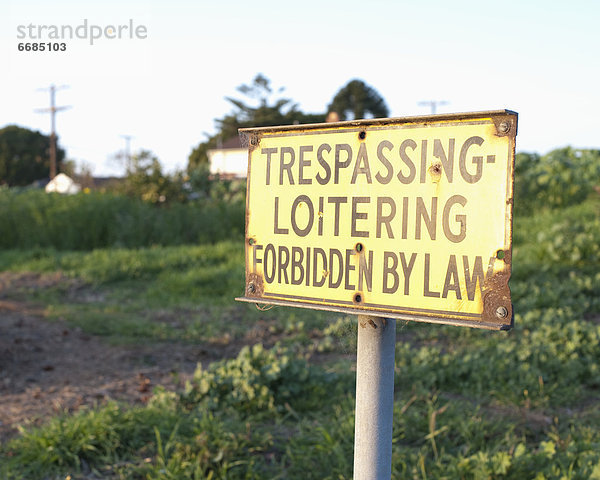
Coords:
pixel 31 219
pixel 262 107
pixel 357 100
pixel 24 156
pixel 469 404
pixel 563 177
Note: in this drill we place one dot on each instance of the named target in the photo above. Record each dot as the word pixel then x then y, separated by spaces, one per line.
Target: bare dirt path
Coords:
pixel 47 368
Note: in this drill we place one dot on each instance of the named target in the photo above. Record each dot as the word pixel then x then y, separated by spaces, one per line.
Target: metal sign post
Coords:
pixel 402 218
pixel 374 398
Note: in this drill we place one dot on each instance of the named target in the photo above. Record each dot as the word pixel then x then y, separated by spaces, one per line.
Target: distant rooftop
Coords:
pixel 233 142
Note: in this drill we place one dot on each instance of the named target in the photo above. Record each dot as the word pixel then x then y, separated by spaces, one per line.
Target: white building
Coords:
pixel 62 184
pixel 230 160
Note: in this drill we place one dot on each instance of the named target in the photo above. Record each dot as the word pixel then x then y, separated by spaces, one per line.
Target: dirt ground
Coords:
pixel 46 367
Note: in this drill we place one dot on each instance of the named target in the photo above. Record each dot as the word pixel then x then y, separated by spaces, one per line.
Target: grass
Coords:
pixel 182 293
pixel 469 404
pixel 32 219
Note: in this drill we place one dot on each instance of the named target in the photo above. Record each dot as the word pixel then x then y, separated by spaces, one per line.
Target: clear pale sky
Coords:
pixel 539 58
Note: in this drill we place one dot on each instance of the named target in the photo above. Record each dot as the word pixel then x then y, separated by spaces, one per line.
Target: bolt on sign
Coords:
pixel 408 218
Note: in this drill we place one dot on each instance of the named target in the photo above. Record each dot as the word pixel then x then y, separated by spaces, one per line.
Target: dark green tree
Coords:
pixel 199 155
pixel 357 100
pixel 24 156
pixel 262 107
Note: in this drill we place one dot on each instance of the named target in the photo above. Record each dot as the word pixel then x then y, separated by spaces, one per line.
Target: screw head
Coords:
pixel 502 312
pixel 504 127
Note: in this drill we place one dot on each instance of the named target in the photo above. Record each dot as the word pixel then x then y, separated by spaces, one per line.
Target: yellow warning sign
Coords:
pixel 408 218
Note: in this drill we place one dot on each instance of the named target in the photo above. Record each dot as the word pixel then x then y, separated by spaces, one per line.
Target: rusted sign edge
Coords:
pixel 400 316
pixel 419 119
pixel 496 294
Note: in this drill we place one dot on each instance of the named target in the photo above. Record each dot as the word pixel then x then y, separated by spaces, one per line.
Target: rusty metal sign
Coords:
pixel 409 218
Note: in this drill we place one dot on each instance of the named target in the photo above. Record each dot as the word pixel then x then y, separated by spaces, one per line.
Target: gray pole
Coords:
pixel 128 166
pixel 374 398
pixel 433 104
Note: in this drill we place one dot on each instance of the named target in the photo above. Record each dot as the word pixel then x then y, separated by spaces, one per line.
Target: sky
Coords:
pixel 165 84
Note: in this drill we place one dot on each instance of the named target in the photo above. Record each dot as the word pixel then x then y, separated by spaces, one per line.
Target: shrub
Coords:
pixel 563 177
pixel 259 380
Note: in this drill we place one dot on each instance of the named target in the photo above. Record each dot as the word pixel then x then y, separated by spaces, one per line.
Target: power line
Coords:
pixel 433 104
pixel 52 110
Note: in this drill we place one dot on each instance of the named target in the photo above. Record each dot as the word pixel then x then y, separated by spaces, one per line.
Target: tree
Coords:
pixel 24 156
pixel 146 180
pixel 263 107
pixel 357 100
pixel 199 155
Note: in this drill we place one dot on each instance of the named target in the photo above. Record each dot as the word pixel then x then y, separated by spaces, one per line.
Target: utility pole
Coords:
pixel 433 104
pixel 127 152
pixel 52 110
